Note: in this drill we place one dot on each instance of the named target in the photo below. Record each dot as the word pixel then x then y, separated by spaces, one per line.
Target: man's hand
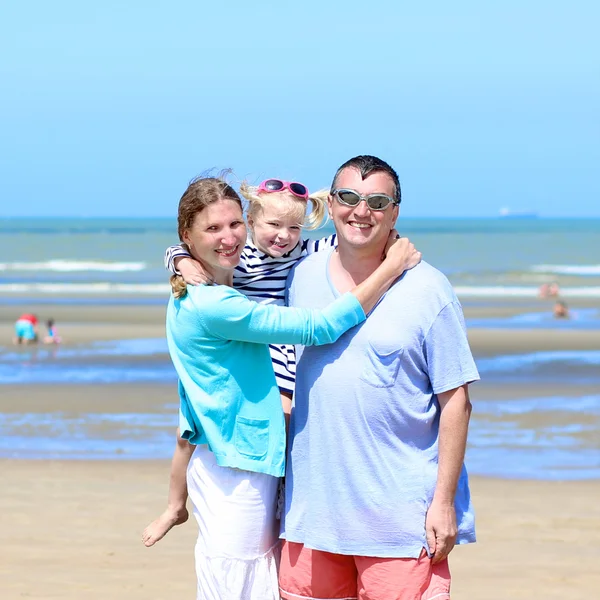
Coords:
pixel 191 271
pixel 441 530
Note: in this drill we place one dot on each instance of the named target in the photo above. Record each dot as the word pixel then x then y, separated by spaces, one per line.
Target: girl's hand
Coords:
pixel 401 253
pixel 191 271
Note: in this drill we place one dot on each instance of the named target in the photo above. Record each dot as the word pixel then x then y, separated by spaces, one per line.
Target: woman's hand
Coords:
pixel 191 271
pixel 400 253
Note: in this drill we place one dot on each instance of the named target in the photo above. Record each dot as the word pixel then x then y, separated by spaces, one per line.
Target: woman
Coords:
pixel 230 406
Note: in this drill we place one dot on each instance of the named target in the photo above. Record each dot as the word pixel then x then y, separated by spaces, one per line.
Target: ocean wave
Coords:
pixel 86 288
pixel 510 363
pixel 107 288
pixel 585 270
pixel 70 266
pixel 500 291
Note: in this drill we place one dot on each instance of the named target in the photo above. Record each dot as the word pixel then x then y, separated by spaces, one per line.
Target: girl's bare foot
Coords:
pixel 160 527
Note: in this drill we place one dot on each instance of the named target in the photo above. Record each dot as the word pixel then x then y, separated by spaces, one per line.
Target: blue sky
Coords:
pixel 109 108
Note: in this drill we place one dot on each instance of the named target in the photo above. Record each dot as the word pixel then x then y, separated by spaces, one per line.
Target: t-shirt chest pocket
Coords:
pixel 381 364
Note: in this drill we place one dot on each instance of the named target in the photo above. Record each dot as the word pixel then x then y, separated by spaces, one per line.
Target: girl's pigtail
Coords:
pixel 319 214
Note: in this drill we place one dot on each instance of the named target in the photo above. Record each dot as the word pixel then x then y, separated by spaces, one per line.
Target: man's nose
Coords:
pixel 362 209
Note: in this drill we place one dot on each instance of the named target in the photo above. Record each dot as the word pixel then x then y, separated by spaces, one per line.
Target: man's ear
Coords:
pixel 329 205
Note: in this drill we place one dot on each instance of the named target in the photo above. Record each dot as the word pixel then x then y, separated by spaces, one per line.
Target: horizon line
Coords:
pixel 509 217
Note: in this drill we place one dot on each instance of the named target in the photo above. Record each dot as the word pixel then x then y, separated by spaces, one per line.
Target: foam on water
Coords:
pixel 583 270
pixel 100 288
pixel 69 266
pixel 163 289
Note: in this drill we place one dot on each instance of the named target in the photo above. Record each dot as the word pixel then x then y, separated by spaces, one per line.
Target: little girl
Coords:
pixel 276 215
pixel 52 337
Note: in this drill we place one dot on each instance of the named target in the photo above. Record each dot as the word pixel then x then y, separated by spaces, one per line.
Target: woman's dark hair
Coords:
pixel 201 192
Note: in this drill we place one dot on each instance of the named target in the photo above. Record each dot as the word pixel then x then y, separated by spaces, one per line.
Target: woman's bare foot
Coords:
pixel 160 527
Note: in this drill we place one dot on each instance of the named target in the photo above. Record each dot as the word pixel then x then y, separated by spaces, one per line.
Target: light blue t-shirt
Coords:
pixel 363 447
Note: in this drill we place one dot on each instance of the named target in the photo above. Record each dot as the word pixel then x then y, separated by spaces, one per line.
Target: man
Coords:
pixel 376 491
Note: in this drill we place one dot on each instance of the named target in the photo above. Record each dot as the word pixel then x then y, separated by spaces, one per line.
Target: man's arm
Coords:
pixel 440 524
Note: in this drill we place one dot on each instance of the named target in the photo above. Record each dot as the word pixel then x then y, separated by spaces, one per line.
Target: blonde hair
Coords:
pixel 289 204
pixel 200 193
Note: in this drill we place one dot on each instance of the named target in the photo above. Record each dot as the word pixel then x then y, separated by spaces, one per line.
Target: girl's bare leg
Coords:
pixel 286 404
pixel 176 512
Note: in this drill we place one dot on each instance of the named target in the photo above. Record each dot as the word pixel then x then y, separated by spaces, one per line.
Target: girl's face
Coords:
pixel 217 237
pixel 275 231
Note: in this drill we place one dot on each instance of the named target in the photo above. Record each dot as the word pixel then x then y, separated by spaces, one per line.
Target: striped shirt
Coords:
pixel 263 278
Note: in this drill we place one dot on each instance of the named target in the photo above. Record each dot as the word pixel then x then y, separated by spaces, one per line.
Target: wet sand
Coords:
pixel 72 529
pixel 87 323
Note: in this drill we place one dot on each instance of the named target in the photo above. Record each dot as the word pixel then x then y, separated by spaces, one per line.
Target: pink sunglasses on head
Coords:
pixel 278 185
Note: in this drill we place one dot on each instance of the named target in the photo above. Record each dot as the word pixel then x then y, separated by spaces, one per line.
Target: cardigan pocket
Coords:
pixel 252 436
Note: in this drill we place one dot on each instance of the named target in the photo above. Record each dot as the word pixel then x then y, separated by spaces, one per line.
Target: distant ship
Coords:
pixel 506 213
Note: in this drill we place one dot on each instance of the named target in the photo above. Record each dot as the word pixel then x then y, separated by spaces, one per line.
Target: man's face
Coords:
pixel 359 227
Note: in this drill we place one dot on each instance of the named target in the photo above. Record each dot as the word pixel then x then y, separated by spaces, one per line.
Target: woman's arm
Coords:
pixel 232 316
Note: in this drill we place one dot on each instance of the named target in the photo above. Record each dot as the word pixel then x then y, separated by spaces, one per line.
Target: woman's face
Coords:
pixel 217 236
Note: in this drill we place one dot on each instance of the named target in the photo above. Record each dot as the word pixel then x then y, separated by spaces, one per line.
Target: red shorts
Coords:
pixel 316 575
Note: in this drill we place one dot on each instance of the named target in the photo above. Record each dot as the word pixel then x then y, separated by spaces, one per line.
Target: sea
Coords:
pixel 483 258
pixel 490 262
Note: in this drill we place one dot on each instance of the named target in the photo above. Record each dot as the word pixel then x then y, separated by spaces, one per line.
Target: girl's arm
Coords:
pixel 171 254
pixel 180 262
pixel 312 246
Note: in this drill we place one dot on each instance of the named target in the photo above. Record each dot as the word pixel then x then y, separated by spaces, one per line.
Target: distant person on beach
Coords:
pixel 26 329
pixel 560 310
pixel 549 290
pixel 52 336
pixel 376 491
pixel 230 405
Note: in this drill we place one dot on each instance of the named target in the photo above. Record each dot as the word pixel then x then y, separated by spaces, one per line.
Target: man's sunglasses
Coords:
pixel 278 185
pixel 374 201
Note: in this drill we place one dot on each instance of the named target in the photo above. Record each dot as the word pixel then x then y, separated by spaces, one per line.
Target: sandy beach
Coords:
pixel 74 532
pixel 72 528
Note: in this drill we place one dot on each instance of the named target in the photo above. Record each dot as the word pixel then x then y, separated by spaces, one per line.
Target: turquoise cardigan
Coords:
pixel 229 399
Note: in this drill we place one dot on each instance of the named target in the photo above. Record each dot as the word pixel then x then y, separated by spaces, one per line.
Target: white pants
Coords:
pixel 237 552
